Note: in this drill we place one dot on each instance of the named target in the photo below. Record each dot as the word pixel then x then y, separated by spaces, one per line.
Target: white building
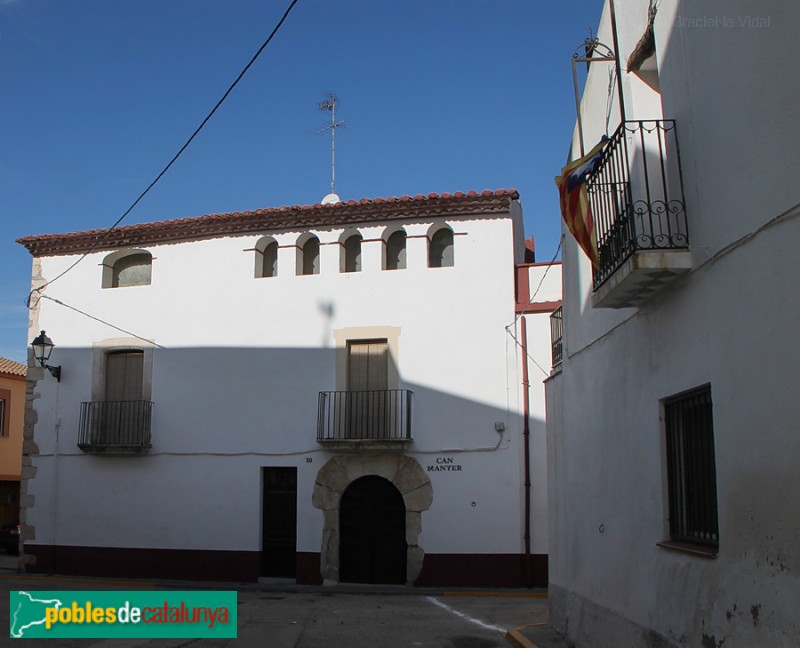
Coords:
pixel 672 419
pixel 326 393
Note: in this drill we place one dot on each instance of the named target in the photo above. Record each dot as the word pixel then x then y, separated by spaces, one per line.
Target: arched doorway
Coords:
pixel 372 541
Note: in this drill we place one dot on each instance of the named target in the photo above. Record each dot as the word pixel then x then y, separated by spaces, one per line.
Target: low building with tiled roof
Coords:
pixel 12 368
pixel 330 393
pixel 12 412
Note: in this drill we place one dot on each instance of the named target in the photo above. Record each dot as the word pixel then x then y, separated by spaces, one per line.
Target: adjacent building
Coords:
pixel 12 411
pixel 325 393
pixel 671 412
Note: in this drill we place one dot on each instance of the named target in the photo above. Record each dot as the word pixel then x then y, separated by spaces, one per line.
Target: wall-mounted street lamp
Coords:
pixel 42 348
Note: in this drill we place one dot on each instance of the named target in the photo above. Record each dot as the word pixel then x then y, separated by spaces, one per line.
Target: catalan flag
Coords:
pixel 575 207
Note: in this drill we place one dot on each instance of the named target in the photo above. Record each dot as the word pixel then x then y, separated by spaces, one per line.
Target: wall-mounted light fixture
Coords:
pixel 42 348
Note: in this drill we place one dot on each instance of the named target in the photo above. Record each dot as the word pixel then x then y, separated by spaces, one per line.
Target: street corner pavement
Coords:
pixel 537 635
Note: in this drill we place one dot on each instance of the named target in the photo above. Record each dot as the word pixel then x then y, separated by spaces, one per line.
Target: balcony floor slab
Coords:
pixel 644 274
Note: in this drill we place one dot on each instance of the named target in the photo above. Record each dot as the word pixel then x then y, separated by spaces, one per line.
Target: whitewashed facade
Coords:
pixel 246 343
pixel 701 326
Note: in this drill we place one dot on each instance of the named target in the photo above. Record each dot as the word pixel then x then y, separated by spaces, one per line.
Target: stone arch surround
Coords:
pixel 338 473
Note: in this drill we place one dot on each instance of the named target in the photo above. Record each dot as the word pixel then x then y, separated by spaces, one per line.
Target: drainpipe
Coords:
pixel 526 434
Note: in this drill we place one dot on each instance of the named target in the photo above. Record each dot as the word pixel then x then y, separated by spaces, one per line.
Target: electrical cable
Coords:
pixel 530 301
pixel 102 321
pixel 175 157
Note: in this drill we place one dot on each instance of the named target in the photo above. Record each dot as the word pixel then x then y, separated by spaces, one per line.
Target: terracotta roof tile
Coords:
pixel 366 210
pixel 11 368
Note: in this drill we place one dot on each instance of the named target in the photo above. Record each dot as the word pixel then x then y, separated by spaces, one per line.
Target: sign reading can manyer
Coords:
pixel 123 614
pixel 444 464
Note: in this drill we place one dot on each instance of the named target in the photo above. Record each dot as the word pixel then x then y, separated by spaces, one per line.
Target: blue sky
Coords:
pixel 437 95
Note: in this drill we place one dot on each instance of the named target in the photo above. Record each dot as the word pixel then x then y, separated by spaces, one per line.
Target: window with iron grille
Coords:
pixel 691 469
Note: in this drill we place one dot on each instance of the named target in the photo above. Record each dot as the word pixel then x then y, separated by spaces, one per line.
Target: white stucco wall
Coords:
pixel 731 323
pixel 236 370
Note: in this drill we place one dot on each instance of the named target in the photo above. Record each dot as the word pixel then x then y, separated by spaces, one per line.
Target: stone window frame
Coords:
pixel 342 337
pixel 110 278
pixel 102 348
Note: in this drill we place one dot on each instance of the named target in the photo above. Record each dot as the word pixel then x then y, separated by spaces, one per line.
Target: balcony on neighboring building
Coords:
pixel 365 420
pixel 639 213
pixel 557 337
pixel 115 427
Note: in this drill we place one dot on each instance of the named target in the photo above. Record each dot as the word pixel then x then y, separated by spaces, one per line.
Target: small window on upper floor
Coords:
pixel 351 253
pixel 396 251
pixel 440 249
pixel 266 257
pixel 308 255
pixel 127 268
pixel 3 423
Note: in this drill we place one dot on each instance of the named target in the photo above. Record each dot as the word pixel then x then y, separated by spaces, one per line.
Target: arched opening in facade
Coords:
pixel 372 528
pixel 402 473
pixel 308 255
pixel 127 268
pixel 266 257
pixel 440 249
pixel 351 253
pixel 396 251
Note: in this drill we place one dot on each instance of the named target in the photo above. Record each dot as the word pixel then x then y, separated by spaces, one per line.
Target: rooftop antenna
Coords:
pixel 330 105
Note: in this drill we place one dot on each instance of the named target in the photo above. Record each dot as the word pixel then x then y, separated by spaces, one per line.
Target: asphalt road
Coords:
pixel 333 617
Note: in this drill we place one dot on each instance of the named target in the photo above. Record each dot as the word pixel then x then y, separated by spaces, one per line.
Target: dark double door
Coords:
pixel 279 522
pixel 372 533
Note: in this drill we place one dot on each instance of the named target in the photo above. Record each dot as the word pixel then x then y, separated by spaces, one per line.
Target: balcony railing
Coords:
pixel 115 427
pixel 381 416
pixel 557 335
pixel 636 195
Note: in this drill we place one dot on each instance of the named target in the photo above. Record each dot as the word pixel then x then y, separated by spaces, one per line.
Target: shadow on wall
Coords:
pixel 214 418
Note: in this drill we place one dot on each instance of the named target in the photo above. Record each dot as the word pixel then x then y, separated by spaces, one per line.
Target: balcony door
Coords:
pixel 367 365
pixel 121 417
pixel 124 373
pixel 367 384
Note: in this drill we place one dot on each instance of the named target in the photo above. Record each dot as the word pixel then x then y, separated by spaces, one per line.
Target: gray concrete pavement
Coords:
pixel 278 615
pixel 8 563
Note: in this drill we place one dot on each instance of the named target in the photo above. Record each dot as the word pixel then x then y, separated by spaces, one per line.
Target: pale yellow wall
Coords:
pixel 11 445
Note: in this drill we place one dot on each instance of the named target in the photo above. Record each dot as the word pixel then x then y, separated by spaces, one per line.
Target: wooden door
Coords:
pixel 279 522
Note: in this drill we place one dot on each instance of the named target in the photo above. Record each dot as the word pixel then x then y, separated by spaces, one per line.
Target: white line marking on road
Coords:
pixel 488 626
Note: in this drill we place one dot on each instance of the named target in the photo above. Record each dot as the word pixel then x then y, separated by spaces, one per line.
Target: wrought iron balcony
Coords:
pixel 378 419
pixel 115 427
pixel 557 336
pixel 639 212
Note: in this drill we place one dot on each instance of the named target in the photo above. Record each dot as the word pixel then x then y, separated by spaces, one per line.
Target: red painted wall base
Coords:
pixel 439 570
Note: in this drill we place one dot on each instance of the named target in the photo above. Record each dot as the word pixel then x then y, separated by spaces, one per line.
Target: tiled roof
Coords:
pixel 11 368
pixel 365 210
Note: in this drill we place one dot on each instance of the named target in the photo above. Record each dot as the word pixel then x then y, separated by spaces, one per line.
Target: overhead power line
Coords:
pixel 175 157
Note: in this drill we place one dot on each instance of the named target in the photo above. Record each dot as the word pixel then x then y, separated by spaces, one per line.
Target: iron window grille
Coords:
pixel 691 468
pixel 557 335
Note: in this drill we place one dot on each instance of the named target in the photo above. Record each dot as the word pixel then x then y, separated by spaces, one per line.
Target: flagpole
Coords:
pixel 617 63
